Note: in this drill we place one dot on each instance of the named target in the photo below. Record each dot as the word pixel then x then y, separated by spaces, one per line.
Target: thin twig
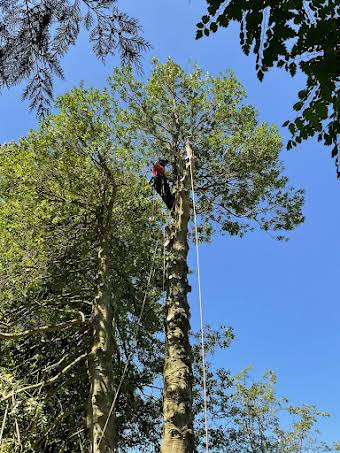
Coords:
pixel 4 422
pixel 49 381
pixel 43 329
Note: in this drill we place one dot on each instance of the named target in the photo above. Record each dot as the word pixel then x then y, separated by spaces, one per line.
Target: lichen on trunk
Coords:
pixel 101 358
pixel 178 436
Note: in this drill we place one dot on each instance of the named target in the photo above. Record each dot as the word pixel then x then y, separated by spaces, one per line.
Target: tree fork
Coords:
pixel 100 361
pixel 178 436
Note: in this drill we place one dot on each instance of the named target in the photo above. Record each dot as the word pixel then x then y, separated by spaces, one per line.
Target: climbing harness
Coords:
pixel 190 159
pixel 135 333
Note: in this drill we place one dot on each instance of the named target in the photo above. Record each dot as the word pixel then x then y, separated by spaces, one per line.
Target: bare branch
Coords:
pixel 49 381
pixel 4 422
pixel 44 329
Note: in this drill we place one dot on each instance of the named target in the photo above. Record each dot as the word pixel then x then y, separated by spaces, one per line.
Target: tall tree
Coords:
pixel 293 34
pixel 239 185
pixel 36 34
pixel 77 240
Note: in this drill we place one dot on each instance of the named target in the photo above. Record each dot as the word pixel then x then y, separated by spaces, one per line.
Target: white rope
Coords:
pixel 190 156
pixel 132 351
pixel 164 258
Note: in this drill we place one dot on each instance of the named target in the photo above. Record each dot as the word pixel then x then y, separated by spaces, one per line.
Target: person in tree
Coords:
pixel 160 182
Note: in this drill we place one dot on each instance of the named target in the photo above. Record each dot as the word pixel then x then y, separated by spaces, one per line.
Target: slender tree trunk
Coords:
pixel 178 434
pixel 101 359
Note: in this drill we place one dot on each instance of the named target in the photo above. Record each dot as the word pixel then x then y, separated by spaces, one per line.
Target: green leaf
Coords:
pixel 292 69
pixel 292 128
pixel 298 106
pixel 213 27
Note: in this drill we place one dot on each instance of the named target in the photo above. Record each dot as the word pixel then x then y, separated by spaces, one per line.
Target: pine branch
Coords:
pixel 35 36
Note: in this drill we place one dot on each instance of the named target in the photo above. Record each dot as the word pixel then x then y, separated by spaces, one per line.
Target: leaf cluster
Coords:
pixel 293 34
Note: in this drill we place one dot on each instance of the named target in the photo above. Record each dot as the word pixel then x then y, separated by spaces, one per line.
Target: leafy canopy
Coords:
pixel 51 194
pixel 293 34
pixel 238 174
pixel 51 191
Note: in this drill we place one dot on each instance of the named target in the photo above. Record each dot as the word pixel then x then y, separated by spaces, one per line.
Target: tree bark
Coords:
pixel 178 434
pixel 101 357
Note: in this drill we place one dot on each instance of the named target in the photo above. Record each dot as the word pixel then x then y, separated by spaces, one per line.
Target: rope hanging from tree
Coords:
pixel 206 424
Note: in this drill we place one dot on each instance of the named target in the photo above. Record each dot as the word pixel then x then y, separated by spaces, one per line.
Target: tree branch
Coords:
pixel 49 381
pixel 4 422
pixel 44 329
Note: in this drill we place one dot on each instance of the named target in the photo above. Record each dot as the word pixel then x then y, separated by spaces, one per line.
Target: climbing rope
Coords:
pixel 190 157
pixel 135 333
pixel 166 216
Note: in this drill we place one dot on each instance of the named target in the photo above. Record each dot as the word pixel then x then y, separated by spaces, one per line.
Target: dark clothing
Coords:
pixel 161 185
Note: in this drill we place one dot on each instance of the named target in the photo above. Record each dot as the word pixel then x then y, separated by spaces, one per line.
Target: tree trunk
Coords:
pixel 101 358
pixel 178 434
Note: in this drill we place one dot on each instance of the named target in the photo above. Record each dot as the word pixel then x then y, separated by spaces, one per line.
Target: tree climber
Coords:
pixel 160 182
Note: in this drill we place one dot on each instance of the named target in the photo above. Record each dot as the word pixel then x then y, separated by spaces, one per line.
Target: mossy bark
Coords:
pixel 101 358
pixel 178 434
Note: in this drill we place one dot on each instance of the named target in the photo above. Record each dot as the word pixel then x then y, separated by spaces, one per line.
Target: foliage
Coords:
pixel 293 34
pixel 238 174
pixel 247 416
pixel 50 197
pixel 50 193
pixel 36 34
pixel 243 414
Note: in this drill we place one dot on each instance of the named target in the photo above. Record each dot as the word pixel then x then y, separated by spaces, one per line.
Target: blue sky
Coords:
pixel 281 298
